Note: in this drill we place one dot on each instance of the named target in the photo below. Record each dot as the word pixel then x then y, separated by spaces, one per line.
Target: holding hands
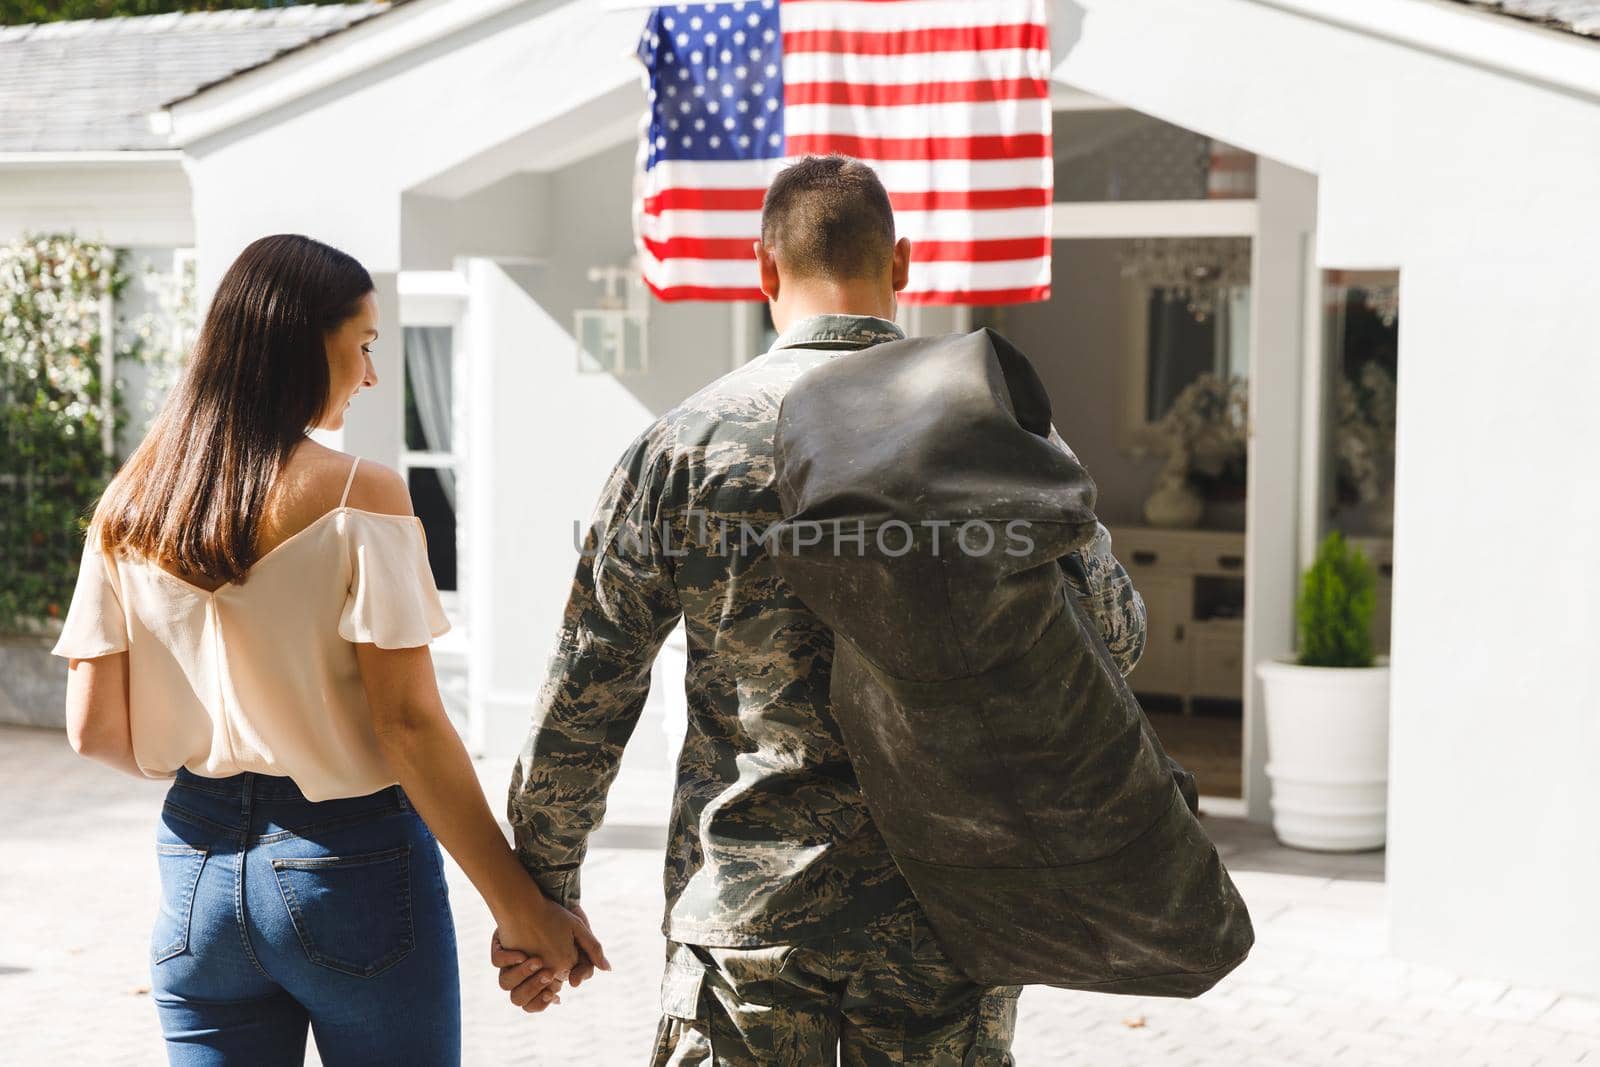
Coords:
pixel 536 952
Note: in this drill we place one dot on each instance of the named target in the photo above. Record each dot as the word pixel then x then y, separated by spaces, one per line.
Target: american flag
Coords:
pixel 948 100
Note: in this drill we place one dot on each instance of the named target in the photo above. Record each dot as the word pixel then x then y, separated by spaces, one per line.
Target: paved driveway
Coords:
pixel 78 888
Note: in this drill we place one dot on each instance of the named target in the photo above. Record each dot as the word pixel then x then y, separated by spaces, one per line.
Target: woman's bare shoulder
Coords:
pixel 315 479
pixel 320 473
pixel 379 489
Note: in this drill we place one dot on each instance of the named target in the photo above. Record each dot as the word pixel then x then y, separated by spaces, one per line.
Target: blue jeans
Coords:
pixel 279 913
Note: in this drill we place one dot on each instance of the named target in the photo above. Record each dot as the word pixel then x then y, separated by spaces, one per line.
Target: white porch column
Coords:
pixel 539 444
pixel 1281 262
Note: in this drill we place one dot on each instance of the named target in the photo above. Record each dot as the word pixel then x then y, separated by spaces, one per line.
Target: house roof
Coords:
pixel 1574 16
pixel 89 85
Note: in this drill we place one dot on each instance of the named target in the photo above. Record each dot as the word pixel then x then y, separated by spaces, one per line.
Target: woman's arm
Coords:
pixel 427 757
pixel 97 711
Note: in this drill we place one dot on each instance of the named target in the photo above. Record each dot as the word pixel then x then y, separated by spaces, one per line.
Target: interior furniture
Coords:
pixel 1192 582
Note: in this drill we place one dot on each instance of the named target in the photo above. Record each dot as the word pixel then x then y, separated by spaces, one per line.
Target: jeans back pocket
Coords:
pixel 180 867
pixel 351 913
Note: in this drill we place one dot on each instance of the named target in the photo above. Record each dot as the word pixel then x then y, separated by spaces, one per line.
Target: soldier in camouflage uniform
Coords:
pixel 791 934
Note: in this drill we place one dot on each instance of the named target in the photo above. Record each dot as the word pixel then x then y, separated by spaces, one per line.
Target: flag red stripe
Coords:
pixel 971 200
pixel 1021 146
pixel 701 248
pixel 993 250
pixel 857 94
pixel 684 199
pixel 913 42
pixel 703 292
pixel 681 199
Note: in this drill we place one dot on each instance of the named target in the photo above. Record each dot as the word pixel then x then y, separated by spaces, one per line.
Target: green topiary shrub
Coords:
pixel 1337 600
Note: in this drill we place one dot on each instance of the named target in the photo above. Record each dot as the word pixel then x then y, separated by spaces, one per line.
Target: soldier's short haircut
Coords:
pixel 829 217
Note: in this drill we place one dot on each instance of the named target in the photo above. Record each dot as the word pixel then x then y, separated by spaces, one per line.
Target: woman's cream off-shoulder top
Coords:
pixel 262 676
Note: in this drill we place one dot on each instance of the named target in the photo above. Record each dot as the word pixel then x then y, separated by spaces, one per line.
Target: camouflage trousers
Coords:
pixel 885 994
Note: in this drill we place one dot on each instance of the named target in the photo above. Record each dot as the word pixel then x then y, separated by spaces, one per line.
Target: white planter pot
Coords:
pixel 1328 753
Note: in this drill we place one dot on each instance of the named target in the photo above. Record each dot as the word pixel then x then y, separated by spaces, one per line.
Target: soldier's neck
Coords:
pixel 833 298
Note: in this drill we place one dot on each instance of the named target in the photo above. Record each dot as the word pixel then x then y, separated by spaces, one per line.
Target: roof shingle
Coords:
pixel 1574 16
pixel 88 85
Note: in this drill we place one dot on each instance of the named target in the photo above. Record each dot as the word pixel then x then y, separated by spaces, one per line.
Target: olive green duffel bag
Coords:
pixel 1007 764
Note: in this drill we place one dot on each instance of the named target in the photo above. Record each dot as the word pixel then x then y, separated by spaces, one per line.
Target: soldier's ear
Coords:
pixel 768 265
pixel 900 270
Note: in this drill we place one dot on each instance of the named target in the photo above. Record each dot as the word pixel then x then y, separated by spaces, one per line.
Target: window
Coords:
pixel 1180 347
pixel 429 459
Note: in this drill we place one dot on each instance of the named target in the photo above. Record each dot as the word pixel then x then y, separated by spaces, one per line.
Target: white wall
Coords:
pixel 337 164
pixel 508 218
pixel 121 203
pixel 1480 187
pixel 544 436
pixel 1078 343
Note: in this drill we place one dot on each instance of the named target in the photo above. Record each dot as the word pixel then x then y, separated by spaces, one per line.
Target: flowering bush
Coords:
pixel 53 462
pixel 1364 434
pixel 1207 435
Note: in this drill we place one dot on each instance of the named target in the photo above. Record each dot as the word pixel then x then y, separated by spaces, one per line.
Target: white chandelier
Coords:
pixel 1197 270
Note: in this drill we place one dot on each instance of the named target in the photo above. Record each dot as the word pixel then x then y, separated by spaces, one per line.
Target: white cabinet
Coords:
pixel 1192 582
pixel 1164 666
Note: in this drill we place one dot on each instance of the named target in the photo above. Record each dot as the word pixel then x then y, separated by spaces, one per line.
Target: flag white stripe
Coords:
pixel 926 120
pixel 917 225
pixel 671 224
pixel 911 14
pixel 973 225
pixel 950 276
pixel 711 273
pixel 1000 64
pixel 713 174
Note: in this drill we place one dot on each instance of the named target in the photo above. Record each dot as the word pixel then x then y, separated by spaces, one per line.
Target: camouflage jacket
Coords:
pixel 770 839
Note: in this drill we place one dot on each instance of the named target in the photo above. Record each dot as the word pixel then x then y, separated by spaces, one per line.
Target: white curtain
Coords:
pixel 428 365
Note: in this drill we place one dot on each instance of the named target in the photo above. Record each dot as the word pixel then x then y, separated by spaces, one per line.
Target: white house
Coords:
pixel 478 156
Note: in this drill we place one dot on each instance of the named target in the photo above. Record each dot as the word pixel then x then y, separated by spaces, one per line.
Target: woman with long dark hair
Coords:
pixel 252 620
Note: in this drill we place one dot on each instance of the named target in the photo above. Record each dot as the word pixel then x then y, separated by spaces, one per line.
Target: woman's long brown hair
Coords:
pixel 192 494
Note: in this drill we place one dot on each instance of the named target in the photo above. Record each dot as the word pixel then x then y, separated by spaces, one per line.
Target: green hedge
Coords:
pixel 52 463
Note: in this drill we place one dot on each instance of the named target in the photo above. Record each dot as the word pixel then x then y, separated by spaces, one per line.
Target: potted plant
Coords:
pixel 1327 712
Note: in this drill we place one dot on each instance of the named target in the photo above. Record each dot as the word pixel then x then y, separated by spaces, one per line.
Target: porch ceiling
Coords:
pixel 607 119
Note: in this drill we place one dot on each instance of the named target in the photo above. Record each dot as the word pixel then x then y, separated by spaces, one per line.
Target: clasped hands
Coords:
pixel 555 947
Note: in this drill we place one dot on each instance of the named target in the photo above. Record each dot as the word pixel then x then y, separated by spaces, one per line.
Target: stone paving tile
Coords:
pixel 78 886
